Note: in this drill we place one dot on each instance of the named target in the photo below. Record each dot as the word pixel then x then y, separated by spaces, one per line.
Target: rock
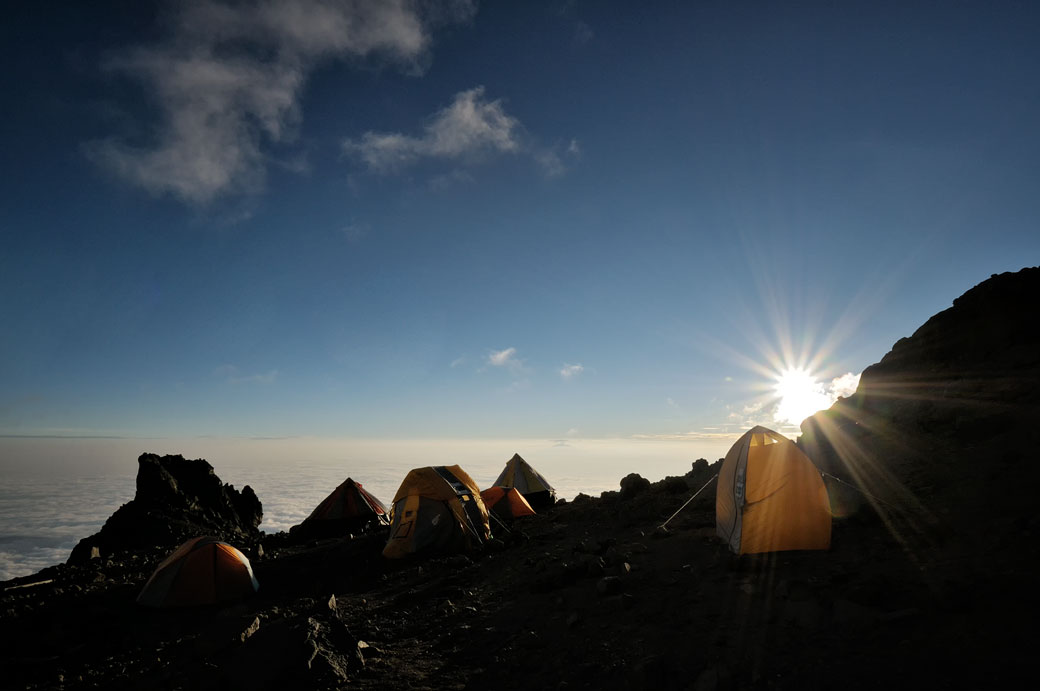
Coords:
pixel 221 634
pixel 609 585
pixel 176 499
pixel 674 485
pixel 633 484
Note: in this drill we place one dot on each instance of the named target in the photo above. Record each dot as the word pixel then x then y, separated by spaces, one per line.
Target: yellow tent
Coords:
pixel 437 509
pixel 528 481
pixel 770 497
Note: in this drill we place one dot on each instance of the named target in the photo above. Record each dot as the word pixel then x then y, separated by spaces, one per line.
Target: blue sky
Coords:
pixel 548 220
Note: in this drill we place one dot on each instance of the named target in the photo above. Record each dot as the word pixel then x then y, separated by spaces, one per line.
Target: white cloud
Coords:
pixel 504 358
pixel 228 77
pixel 469 127
pixel 571 371
pixel 458 362
pixel 468 130
pixel 844 386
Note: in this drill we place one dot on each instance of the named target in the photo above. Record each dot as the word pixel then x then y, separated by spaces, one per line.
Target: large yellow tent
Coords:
pixel 437 509
pixel 770 497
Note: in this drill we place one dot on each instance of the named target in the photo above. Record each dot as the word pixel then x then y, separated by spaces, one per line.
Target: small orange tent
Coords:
pixel 506 503
pixel 770 497
pixel 202 571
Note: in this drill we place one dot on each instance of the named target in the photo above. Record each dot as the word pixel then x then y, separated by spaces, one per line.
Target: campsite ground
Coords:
pixel 590 594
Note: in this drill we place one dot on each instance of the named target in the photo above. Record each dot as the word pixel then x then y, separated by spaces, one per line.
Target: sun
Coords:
pixel 801 395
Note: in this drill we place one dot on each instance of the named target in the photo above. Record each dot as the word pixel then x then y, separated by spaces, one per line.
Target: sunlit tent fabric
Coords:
pixel 529 482
pixel 770 497
pixel 506 503
pixel 202 571
pixel 436 510
pixel 350 508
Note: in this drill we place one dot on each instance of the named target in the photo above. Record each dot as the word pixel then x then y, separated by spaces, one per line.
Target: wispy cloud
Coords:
pixel 355 232
pixel 232 375
pixel 470 129
pixel 228 76
pixel 505 358
pixel 571 371
pixel 583 33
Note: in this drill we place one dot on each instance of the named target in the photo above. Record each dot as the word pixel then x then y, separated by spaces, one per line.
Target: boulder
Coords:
pixel 176 499
pixel 633 484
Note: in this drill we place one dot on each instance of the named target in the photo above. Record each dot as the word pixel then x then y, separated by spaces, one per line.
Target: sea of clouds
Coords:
pixel 47 506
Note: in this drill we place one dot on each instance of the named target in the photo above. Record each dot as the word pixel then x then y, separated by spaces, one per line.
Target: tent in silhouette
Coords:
pixel 202 571
pixel 506 503
pixel 529 482
pixel 437 510
pixel 349 509
pixel 770 497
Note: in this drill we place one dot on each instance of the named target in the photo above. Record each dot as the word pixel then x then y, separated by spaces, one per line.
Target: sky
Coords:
pixel 448 220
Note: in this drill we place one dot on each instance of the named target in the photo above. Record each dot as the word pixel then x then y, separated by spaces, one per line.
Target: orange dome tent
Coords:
pixel 436 510
pixel 506 503
pixel 770 497
pixel 202 571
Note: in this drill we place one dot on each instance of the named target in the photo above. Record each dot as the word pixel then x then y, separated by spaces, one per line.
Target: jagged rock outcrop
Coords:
pixel 948 417
pixel 176 499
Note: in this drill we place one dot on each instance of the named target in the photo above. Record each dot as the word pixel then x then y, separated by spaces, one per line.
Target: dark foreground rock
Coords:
pixel 176 499
pixel 929 584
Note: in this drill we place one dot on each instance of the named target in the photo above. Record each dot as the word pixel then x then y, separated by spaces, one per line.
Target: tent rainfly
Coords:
pixel 770 497
pixel 506 503
pixel 436 510
pixel 350 508
pixel 202 571
pixel 529 482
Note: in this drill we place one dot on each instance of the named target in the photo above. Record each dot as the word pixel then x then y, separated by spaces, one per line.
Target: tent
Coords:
pixel 202 571
pixel 350 508
pixel 506 503
pixel 770 497
pixel 436 510
pixel 528 481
